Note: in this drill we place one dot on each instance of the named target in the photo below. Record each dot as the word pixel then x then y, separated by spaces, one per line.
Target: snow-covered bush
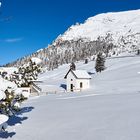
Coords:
pixel 28 73
pixel 11 101
pixel 10 97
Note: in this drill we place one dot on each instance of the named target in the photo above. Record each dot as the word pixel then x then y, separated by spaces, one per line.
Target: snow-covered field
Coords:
pixel 109 110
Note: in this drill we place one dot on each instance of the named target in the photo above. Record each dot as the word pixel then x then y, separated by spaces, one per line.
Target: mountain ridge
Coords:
pixel 104 23
pixel 113 33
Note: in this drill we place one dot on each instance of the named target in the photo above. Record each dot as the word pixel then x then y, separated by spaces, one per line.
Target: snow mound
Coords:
pixel 4 84
pixel 2 95
pixel 26 94
pixel 10 86
pixel 3 119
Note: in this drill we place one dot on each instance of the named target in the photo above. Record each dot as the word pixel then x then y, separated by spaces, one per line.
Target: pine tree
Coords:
pixel 72 66
pixel 100 62
pixel 29 73
pixel 11 103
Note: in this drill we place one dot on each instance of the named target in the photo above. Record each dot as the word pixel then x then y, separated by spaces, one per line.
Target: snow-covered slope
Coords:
pixel 109 110
pixel 121 74
pixel 116 24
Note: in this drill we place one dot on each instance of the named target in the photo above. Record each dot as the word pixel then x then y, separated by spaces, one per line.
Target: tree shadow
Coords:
pixel 91 73
pixel 25 110
pixel 6 134
pixel 64 86
pixel 16 119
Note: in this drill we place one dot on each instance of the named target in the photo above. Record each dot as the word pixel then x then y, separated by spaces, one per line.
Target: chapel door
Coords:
pixel 81 85
pixel 71 87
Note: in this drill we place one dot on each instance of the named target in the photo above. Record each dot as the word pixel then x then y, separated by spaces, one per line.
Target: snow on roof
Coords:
pixel 36 60
pixel 81 74
pixel 3 119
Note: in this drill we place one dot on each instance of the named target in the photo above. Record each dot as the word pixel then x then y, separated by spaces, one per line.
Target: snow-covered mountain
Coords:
pixel 113 33
pixel 116 24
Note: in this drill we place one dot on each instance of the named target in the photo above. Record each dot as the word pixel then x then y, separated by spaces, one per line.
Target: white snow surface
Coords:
pixel 117 24
pixel 2 95
pixel 9 70
pixel 4 84
pixel 26 94
pixel 11 86
pixel 36 60
pixel 3 119
pixel 109 110
pixel 18 91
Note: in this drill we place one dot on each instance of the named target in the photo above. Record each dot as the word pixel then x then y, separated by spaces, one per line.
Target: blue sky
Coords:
pixel 28 25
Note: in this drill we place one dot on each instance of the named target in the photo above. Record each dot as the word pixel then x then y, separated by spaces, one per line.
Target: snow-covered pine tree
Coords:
pixel 28 73
pixel 11 103
pixel 100 62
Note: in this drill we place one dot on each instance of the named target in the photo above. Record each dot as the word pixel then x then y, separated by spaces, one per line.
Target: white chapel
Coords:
pixel 77 80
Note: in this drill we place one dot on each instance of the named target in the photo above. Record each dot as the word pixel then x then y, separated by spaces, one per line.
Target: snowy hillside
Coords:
pixel 119 74
pixel 109 110
pixel 117 24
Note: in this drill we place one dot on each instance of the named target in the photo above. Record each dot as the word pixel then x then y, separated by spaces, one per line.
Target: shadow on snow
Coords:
pixel 6 134
pixel 64 86
pixel 16 119
pixel 25 110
